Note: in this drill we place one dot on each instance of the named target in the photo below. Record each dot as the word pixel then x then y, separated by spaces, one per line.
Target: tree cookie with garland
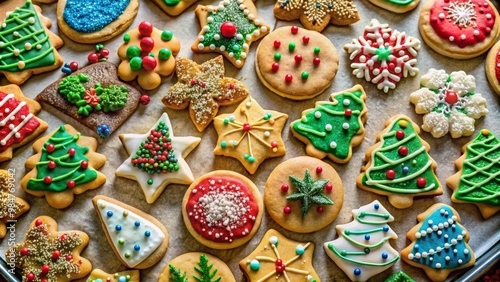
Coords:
pixel 459 29
pixel 222 209
pixel 203 88
pixel 50 255
pixel 65 165
pixel 98 275
pixel 399 165
pixel 229 29
pixel 18 123
pixel 250 134
pixel 449 103
pixel 438 243
pixel 280 259
pixel 147 54
pixel 396 6
pixel 362 249
pixel 90 21
pixel 399 276
pixel 138 239
pixel 157 158
pixel 296 63
pixel 174 7
pixel 317 14
pixel 27 46
pixel 492 67
pixel 478 178
pixel 196 267
pixel 332 129
pixel 11 207
pixel 304 194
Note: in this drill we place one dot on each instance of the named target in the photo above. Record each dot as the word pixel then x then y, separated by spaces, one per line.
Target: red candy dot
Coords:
pixel 228 29
pixel 30 276
pixel 73 66
pixel 149 63
pixel 62 237
pixel 45 269
pixel 329 187
pixel 295 29
pixel 400 134
pixel 316 61
pixel 287 210
pixel 275 66
pixel 84 164
pixel 298 59
pixel 390 174
pixel 278 262
pixel 44 280
pixel 147 44
pixel 52 164
pixel 50 148
pixel 274 144
pixel 348 112
pixel 451 97
pixel 319 169
pixel 288 78
pixel 277 43
pixel 71 151
pixel 56 254
pixel 280 269
pixel 38 222
pixel 246 126
pixel 144 99
pixel 70 184
pixel 305 39
pixel 145 28
pixel 104 53
pixel 403 151
pixel 47 179
pixel 69 257
pixel 24 251
pixel 93 58
pixel 320 209
pixel 284 188
pixel 421 182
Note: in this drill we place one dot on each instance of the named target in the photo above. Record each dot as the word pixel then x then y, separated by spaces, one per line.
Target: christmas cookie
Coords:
pixel 203 88
pixel 50 255
pixel 196 267
pixel 331 129
pixel 280 259
pixel 137 238
pixel 304 194
pixel 399 165
pixel 157 158
pixel 439 243
pixel 396 6
pixel 222 209
pixel 98 275
pixel 362 249
pixel 250 134
pixel 449 103
pixel 174 7
pixel 90 21
pixel 383 56
pixel 478 179
pixel 18 123
pixel 27 46
pixel 399 276
pixel 94 96
pixel 11 207
pixel 459 29
pixel 229 29
pixel 316 15
pixel 147 54
pixel 296 63
pixel 492 67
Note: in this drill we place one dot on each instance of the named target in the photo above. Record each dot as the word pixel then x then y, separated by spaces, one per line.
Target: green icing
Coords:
pixel 203 268
pixel 171 2
pixel 321 136
pixel 71 87
pixel 113 98
pixel 386 157
pixel 176 275
pixel 399 276
pixel 480 178
pixel 309 192
pixel 67 167
pixel 23 31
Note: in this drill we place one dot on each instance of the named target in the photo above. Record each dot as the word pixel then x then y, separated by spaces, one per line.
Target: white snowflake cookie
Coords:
pixel 449 103
pixel 383 56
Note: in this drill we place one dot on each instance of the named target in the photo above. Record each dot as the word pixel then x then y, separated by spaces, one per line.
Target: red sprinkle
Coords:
pixel 274 144
pixel 149 63
pixel 145 28
pixel 52 164
pixel 30 276
pixel 320 209
pixel 298 59
pixel 277 43
pixel 24 251
pixel 50 148
pixel 400 134
pixel 390 174
pixel 73 66
pixel 93 58
pixel 104 53
pixel 147 44
pixel 144 100
pixel 45 269
pixel 70 184
pixel 47 179
pixel 421 182
pixel 69 257
pixel 319 169
pixel 84 164
pixel 228 29
pixel 71 151
pixel 275 66
pixel 403 150
pixel 284 188
pixel 348 112
pixel 287 210
pixel 288 78
pixel 316 61
pixel 55 254
pixel 38 222
pixel 246 126
pixel 295 29
pixel 305 39
pixel 328 187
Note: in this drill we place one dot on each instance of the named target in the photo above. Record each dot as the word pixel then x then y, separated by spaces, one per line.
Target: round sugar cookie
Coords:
pixel 304 194
pixel 193 266
pixel 296 63
pixel 492 67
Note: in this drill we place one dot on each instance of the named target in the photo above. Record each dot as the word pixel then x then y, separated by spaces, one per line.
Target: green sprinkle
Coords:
pixel 291 46
pixel 251 159
pixel 316 50
pixel 305 75
pixel 164 54
pixel 126 38
pixel 277 56
pixel 167 35
pixel 136 63
pixel 150 181
pixel 133 51
pixel 223 144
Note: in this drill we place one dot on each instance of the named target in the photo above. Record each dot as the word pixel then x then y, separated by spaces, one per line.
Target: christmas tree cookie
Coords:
pixel 137 238
pixel 65 164
pixel 27 46
pixel 399 276
pixel 399 165
pixel 98 275
pixel 362 249
pixel 157 158
pixel 196 267
pixel 478 179
pixel 11 207
pixel 331 129
pixel 50 255
pixel 439 243
pixel 229 29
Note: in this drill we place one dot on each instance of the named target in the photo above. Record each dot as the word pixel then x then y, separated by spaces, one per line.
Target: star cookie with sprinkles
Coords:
pixel 27 47
pixel 99 275
pixel 11 207
pixel 317 14
pixel 229 29
pixel 203 88
pixel 250 134
pixel 50 255
pixel 157 158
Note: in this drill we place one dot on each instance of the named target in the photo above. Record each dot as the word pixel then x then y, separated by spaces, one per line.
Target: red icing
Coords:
pixel 216 189
pixel 26 130
pixel 497 66
pixel 445 27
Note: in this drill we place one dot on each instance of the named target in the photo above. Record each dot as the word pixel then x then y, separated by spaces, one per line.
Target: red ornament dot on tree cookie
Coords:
pixel 328 187
pixel 52 164
pixel 277 43
pixel 295 29
pixel 284 188
pixel 71 152
pixel 228 29
pixel 275 66
pixel 50 148
pixel 319 169
pixel 320 209
pixel 70 184
pixel 84 164
pixel 348 112
pixel 147 44
pixel 298 58
pixel 47 179
pixel 287 210
pixel 400 134
pixel 45 269
pixel 56 254
pixel 403 151
pixel 390 174
pixel 288 78
pixel 145 28
pixel 421 182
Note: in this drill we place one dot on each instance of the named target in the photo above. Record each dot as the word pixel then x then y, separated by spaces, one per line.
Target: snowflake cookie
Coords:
pixel 449 103
pixel 383 56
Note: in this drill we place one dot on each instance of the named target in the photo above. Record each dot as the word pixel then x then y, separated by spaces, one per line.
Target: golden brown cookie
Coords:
pixel 459 29
pixel 196 267
pixel 174 7
pixel 492 67
pixel 49 254
pixel 99 275
pixel 296 63
pixel 439 243
pixel 396 6
pixel 26 51
pixel 222 209
pixel 11 207
pixel 304 194
pixel 65 164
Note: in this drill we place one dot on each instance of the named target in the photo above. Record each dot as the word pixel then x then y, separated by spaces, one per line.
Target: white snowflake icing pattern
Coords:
pixel 449 103
pixel 383 56
pixel 462 13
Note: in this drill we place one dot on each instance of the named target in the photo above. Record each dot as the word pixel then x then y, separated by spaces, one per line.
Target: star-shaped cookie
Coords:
pixel 157 158
pixel 11 207
pixel 250 134
pixel 99 275
pixel 229 29
pixel 204 88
